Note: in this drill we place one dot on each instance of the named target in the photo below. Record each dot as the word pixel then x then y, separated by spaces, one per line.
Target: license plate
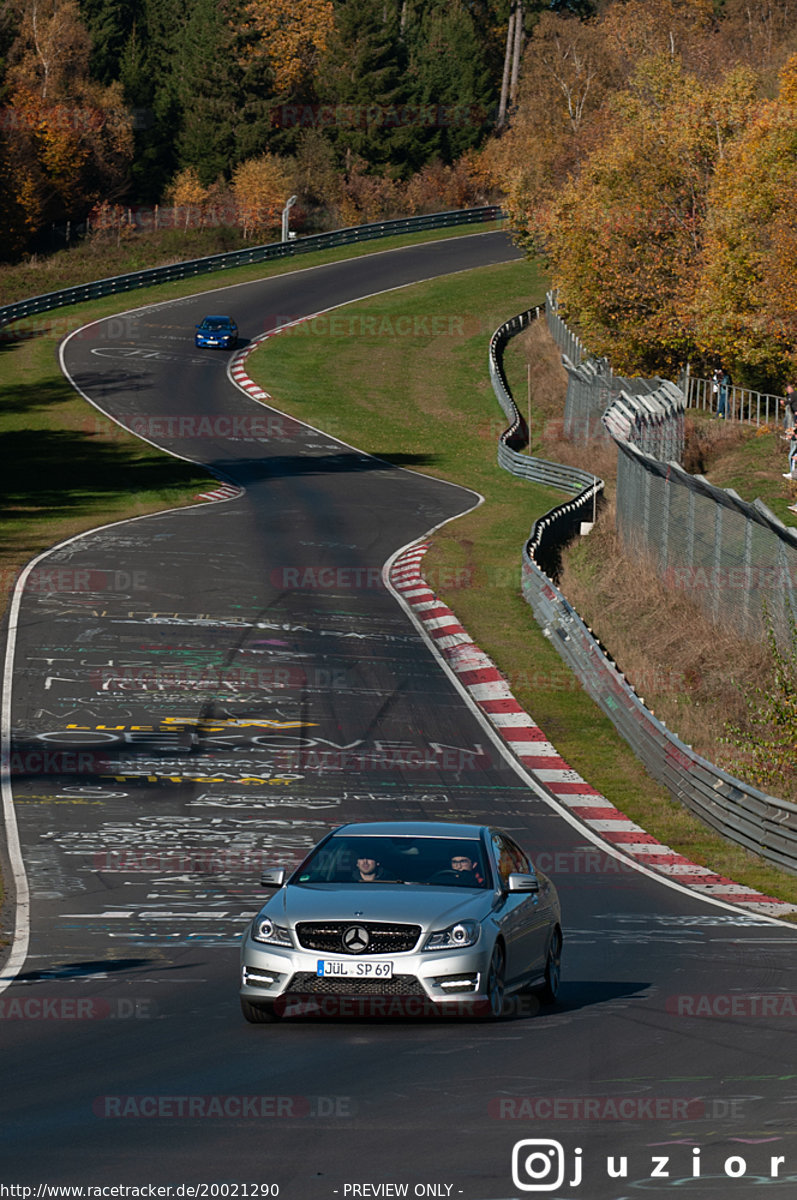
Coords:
pixel 332 968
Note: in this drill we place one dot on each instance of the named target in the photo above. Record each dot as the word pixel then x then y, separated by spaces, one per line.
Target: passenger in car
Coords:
pixel 467 871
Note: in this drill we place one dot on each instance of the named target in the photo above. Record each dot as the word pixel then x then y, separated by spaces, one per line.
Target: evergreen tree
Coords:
pixel 206 92
pixel 452 86
pixel 363 77
pixel 110 23
pixel 148 71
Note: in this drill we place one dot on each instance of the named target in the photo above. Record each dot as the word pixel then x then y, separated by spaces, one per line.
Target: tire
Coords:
pixel 553 969
pixel 258 1014
pixel 496 987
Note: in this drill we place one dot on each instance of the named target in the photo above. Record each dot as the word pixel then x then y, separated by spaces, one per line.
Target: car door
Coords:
pixel 524 917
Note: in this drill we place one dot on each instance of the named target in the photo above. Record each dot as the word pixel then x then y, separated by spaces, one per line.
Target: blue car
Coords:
pixel 217 331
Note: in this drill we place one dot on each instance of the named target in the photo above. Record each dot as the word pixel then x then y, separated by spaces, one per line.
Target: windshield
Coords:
pixel 445 862
pixel 215 323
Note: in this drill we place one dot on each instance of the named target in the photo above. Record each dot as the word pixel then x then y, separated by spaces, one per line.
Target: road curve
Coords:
pixel 200 690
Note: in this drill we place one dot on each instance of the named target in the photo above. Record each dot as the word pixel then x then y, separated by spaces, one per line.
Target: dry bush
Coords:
pixel 706 441
pixel 548 376
pixel 691 673
pixel 548 394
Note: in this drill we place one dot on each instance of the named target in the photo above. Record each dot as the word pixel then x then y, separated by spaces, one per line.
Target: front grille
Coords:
pixel 307 984
pixel 384 938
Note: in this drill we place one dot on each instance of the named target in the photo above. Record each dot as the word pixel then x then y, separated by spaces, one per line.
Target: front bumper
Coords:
pixel 437 981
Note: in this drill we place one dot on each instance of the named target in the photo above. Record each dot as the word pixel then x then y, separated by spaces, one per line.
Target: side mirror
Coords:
pixel 272 877
pixel 518 882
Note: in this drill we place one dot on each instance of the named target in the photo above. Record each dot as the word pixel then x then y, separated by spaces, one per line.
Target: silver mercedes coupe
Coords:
pixel 404 918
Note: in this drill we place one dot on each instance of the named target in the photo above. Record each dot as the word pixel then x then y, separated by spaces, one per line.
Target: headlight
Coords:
pixel 456 937
pixel 264 930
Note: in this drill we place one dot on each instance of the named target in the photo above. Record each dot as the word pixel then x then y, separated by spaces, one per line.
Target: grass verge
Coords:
pixel 443 409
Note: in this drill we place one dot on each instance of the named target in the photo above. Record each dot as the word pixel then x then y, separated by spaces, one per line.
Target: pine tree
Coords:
pixel 453 92
pixel 206 92
pixel 363 78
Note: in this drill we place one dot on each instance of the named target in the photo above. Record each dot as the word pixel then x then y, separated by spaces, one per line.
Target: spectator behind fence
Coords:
pixel 716 375
pixel 787 404
pixel 724 385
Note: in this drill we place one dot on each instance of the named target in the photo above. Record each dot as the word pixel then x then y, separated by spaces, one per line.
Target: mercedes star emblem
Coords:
pixel 355 939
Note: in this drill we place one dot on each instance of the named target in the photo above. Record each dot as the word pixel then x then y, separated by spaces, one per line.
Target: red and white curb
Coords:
pixel 491 693
pixel 226 491
pixel 239 375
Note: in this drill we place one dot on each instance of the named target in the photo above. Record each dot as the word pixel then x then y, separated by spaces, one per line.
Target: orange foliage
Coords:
pixel 292 37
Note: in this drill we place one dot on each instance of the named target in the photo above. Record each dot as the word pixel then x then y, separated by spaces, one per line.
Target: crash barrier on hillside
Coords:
pixel 516 436
pixel 741 813
pixel 734 559
pixel 241 258
pixel 731 557
pixel 743 404
pixel 652 408
pixel 562 523
pixel 653 422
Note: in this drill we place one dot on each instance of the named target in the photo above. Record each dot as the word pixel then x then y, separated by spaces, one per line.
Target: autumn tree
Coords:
pixel 186 191
pixel 745 302
pixel 292 39
pixel 261 187
pixel 625 237
pixel 68 138
pixel 567 75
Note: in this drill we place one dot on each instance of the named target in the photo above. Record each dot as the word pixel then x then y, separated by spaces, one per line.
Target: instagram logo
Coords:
pixel 538 1165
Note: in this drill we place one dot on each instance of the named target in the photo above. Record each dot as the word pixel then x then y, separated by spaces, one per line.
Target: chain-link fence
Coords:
pixel 570 345
pixel 592 387
pixel 732 558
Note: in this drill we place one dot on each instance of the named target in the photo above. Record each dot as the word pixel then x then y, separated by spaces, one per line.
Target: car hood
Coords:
pixel 428 906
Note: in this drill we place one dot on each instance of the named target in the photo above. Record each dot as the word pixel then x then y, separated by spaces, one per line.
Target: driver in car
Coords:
pixel 466 870
pixel 369 870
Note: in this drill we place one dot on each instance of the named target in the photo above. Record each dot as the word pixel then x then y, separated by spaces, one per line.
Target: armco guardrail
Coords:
pixel 569 479
pixel 563 522
pixel 241 258
pixel 740 812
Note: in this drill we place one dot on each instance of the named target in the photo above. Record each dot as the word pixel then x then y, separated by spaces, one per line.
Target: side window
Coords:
pixel 522 859
pixel 503 858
